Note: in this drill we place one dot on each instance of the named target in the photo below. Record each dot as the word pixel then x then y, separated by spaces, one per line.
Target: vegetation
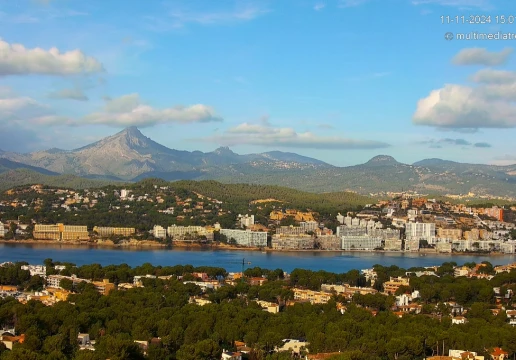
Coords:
pixel 161 310
pixel 13 178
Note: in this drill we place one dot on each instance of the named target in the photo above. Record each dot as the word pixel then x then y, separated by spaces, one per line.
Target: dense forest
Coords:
pixel 186 331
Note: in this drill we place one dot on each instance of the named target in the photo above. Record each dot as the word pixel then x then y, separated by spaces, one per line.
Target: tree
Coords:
pixel 66 284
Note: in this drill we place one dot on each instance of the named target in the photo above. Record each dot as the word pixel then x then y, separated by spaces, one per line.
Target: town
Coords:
pixel 160 214
pixel 401 293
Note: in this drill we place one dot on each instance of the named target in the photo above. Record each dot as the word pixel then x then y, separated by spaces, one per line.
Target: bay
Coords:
pixel 231 260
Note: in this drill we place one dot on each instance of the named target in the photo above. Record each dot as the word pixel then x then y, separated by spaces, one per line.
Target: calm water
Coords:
pixel 231 260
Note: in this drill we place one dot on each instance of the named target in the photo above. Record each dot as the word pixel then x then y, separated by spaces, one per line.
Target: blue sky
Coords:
pixel 339 80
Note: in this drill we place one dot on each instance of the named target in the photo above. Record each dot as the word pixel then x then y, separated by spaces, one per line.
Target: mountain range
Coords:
pixel 131 156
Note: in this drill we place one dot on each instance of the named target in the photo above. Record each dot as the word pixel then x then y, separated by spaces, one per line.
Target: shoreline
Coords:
pixel 150 244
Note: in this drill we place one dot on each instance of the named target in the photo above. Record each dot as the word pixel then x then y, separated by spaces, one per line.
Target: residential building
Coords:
pixel 457 320
pixel 494 212
pixel 110 231
pixel 443 246
pixel 420 231
pixel 188 232
pixel 499 354
pixel 39 270
pixel 246 237
pixel 300 242
pixel 412 245
pixel 246 221
pixel 159 232
pixel 292 346
pixel 390 287
pixel 104 287
pixel 60 232
pixel 452 234
pixel 328 242
pixel 464 355
pixel 361 242
pixel 270 307
pixel 2 230
pixel 314 297
pixel 54 281
pixel 393 244
pixel 309 225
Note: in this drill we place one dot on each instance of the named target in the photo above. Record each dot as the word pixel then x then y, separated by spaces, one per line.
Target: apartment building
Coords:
pixel 54 281
pixel 494 212
pixel 290 230
pixel 104 287
pixel 159 232
pixel 300 242
pixel 2 230
pixel 420 231
pixel 246 237
pixel 360 242
pixel 452 234
pixel 473 234
pixel 110 231
pixel 246 220
pixel 60 232
pixel 347 290
pixel 182 232
pixel 390 287
pixel 314 297
pixel 393 244
pixel 47 232
pixel 328 242
pixel 309 225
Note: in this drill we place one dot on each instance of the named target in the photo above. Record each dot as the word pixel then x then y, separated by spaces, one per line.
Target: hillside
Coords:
pixel 19 177
pixel 246 193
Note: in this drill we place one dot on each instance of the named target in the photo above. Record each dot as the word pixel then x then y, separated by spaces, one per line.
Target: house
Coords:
pixel 464 355
pixel 511 317
pixel 499 354
pixel 292 345
pixel 459 320
pixel 228 355
pixel 257 281
pixel 9 340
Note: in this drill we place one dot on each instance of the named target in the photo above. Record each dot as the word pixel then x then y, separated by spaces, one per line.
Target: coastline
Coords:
pixel 134 244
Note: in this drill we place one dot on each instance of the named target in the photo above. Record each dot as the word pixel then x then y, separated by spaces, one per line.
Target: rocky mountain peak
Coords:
pixel 382 160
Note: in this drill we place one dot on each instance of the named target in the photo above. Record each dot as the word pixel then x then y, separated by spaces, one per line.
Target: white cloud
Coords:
pixel 491 76
pixel 177 18
pixel 463 107
pixel 319 6
pixel 128 110
pixel 72 94
pixel 25 112
pixel 481 56
pixel 15 59
pixel 262 135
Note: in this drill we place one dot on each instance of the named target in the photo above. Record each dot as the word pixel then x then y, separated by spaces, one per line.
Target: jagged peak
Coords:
pixel 224 150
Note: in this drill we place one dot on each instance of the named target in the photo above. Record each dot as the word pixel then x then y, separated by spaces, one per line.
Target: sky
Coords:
pixel 337 80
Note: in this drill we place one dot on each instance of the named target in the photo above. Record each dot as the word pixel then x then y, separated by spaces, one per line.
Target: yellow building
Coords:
pixel 315 297
pixel 104 287
pixel 47 232
pixel 391 286
pixel 60 232
pixel 453 234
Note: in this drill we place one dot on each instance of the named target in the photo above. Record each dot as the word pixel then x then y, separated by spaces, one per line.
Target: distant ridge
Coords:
pixel 131 156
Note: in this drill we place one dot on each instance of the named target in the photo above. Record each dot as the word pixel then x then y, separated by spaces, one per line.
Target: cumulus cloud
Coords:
pixel 463 107
pixel 129 110
pixel 72 94
pixel 481 56
pixel 260 135
pixel 15 59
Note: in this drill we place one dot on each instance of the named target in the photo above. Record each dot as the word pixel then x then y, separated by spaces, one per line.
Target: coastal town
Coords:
pixel 403 295
pixel 159 215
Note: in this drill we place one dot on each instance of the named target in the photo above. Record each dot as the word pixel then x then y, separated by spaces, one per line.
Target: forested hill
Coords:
pixel 246 193
pixel 20 177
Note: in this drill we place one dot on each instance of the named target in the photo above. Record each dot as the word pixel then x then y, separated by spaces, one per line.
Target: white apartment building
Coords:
pixel 420 231
pixel 180 231
pixel 360 242
pixel 159 232
pixel 309 225
pixel 246 237
pixel 508 247
pixel 39 270
pixel 246 221
pixel 340 218
pixel 2 230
